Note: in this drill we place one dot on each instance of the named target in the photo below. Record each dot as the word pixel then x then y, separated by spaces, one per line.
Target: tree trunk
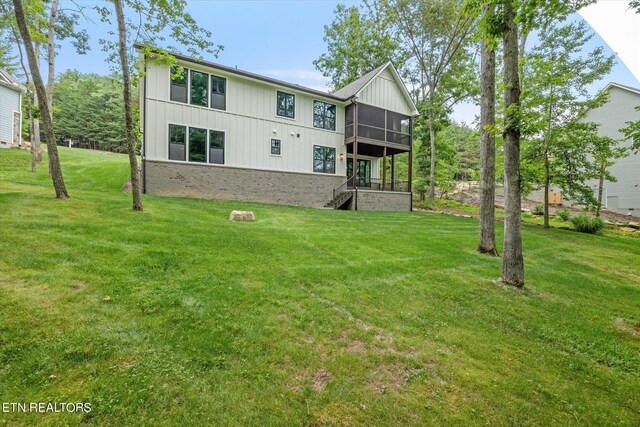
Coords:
pixel 600 186
pixel 54 161
pixel 51 53
pixel 547 186
pixel 432 170
pixel 487 237
pixel 512 260
pixel 128 115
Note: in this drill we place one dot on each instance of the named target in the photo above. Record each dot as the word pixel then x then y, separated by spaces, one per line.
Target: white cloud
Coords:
pixel 619 27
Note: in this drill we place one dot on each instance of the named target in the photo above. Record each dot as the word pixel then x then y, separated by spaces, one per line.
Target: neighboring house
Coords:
pixel 219 132
pixel 10 111
pixel 623 195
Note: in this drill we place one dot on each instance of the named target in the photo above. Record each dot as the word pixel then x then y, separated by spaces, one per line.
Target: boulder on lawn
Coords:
pixel 242 216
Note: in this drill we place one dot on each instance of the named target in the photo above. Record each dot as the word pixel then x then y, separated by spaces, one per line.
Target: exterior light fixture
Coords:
pixel 341 156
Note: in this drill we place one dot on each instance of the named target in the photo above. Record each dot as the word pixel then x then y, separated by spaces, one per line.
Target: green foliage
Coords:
pixel 632 131
pixel 88 110
pixel 563 214
pixel 554 101
pixel 587 223
pixel 538 209
pixel 358 40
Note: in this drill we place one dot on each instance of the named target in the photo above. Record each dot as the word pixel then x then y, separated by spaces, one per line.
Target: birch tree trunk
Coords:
pixel 512 260
pixel 128 116
pixel 51 53
pixel 54 160
pixel 487 235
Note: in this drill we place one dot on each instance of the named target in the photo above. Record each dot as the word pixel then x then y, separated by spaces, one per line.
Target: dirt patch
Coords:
pixel 78 286
pixel 629 326
pixel 320 380
pixel 126 188
pixel 388 377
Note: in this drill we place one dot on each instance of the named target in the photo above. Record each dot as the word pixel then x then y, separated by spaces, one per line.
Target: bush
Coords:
pixel 538 209
pixel 563 214
pixel 587 223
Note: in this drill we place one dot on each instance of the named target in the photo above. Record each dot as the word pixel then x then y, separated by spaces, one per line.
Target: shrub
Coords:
pixel 587 223
pixel 563 214
pixel 538 209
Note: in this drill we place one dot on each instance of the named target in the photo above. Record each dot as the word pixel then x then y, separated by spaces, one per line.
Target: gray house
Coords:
pixel 624 195
pixel 10 110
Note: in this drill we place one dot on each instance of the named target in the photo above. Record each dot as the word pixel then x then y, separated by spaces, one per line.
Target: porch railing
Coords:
pixel 343 187
pixel 376 184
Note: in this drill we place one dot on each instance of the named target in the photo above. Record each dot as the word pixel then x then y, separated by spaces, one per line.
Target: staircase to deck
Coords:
pixel 340 199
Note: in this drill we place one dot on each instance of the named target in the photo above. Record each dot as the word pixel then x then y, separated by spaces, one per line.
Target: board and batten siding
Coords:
pixel 9 102
pixel 383 92
pixel 249 122
pixel 612 116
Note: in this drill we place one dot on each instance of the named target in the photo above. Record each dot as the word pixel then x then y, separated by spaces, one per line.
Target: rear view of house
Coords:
pixel 213 131
pixel 10 111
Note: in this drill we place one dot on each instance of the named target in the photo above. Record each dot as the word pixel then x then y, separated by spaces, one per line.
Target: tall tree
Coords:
pixel 555 99
pixel 358 40
pixel 52 149
pixel 128 113
pixel 487 229
pixel 512 259
pixel 438 34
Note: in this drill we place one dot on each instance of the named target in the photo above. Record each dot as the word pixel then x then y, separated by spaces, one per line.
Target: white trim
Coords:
pixel 295 106
pixel 619 86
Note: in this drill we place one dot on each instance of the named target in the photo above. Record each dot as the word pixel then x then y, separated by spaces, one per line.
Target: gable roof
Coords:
pixel 354 88
pixel 624 87
pixel 8 81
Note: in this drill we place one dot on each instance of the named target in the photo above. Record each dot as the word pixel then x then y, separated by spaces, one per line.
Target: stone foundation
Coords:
pixel 383 201
pixel 231 183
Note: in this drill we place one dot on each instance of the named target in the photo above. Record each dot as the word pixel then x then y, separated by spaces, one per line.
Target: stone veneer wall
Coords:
pixel 231 183
pixel 383 201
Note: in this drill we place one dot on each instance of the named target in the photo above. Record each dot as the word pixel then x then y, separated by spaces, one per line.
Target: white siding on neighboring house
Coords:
pixel 383 92
pixel 249 122
pixel 625 193
pixel 9 102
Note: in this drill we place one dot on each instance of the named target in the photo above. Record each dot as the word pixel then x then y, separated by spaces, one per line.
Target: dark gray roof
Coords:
pixel 355 86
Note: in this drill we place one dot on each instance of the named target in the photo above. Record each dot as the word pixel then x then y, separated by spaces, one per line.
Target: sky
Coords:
pixel 281 39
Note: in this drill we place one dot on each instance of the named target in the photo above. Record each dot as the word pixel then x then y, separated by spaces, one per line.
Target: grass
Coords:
pixel 304 317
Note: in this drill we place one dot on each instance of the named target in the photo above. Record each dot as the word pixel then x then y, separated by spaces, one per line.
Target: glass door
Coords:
pixel 363 172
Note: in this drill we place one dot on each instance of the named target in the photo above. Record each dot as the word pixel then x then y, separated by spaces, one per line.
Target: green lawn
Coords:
pixel 304 317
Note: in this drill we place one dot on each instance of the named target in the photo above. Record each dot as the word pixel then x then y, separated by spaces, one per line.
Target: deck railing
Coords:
pixel 376 184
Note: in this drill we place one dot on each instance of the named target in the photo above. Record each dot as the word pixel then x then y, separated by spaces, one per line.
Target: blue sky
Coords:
pixel 277 38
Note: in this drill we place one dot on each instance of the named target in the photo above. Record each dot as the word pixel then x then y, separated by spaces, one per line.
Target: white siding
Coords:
pixel 9 102
pixel 612 117
pixel 248 122
pixel 384 92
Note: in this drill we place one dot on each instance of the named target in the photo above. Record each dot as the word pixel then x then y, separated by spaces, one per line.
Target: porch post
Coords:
pixel 393 170
pixel 355 145
pixel 384 168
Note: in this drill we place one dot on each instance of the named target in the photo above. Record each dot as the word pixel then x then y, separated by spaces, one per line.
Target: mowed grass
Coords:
pixel 304 317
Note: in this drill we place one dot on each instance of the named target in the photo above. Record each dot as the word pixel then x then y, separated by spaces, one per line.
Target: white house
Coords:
pixel 624 194
pixel 214 131
pixel 10 111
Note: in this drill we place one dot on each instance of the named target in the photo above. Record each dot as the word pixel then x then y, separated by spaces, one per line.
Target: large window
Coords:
pixel 177 142
pixel 216 147
pixel 197 145
pixel 324 159
pixel 286 105
pixel 218 93
pixel 276 146
pixel 178 84
pixel 324 115
pixel 199 88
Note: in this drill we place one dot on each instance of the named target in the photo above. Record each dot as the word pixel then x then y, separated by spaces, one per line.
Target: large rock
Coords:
pixel 242 216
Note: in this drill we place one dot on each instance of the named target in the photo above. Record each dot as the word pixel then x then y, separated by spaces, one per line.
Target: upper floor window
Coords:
pixel 286 105
pixel 324 115
pixel 218 93
pixel 199 88
pixel 178 84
